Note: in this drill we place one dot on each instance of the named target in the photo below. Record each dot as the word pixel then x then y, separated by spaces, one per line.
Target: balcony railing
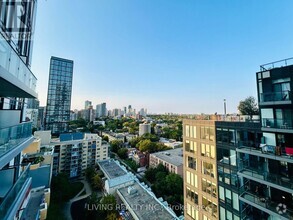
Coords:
pixel 265 203
pixel 277 123
pixel 275 96
pixel 262 175
pixel 11 62
pixel 10 137
pixel 14 193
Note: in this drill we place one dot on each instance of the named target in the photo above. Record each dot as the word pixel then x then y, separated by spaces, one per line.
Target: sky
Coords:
pixel 180 56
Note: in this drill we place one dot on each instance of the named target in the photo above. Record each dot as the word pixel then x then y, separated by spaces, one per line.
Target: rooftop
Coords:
pixel 112 169
pixel 144 203
pixel 174 156
pixel 33 206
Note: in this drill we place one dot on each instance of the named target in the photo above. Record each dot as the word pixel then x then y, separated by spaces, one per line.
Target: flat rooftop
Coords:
pixel 144 203
pixel 174 156
pixel 112 169
pixel 33 206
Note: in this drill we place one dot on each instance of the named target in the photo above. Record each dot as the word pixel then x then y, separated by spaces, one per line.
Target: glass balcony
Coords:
pixel 14 193
pixel 266 151
pixel 12 63
pixel 10 137
pixel 275 96
pixel 277 123
pixel 274 180
pixel 279 210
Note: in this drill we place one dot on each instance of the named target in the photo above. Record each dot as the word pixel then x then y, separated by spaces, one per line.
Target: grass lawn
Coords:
pixel 56 207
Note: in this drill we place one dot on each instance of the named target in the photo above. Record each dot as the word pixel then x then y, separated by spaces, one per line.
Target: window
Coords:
pixel 221 194
pixel 188 177
pixel 191 163
pixel 194 132
pixel 187 130
pixel 235 201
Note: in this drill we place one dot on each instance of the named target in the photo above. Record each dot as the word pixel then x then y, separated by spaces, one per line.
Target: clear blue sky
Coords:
pixel 181 56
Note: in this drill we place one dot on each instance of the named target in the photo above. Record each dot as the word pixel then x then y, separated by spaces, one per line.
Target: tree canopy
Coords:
pixel 248 106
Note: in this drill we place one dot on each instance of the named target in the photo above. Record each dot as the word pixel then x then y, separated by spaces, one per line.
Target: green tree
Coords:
pixel 134 141
pixel 90 173
pixel 115 145
pixel 122 153
pixel 97 182
pixel 105 138
pixel 248 106
pixel 146 146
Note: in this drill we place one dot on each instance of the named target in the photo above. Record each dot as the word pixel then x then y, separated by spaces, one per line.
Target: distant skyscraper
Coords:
pixel 59 95
pixel 87 104
pixel 101 110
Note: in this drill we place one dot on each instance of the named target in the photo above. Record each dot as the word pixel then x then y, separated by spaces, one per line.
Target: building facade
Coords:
pixel 230 137
pixel 101 110
pixel 59 95
pixel 75 152
pixel 171 159
pixel 200 173
pixel 17 84
pixel 144 129
pixel 267 168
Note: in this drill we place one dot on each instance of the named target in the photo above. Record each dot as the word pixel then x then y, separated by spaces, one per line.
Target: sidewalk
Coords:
pixel 87 189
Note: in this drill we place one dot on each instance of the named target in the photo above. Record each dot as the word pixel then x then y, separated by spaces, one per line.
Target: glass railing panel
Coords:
pixel 275 96
pixel 11 62
pixel 10 137
pixel 13 193
pixel 267 203
pixel 277 123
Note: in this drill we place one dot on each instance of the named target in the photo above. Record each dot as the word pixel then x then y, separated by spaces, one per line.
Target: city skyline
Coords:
pixel 160 55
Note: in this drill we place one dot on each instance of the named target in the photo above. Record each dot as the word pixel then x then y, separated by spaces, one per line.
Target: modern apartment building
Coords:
pixel 200 173
pixel 267 169
pixel 75 152
pixel 59 95
pixel 230 137
pixel 17 83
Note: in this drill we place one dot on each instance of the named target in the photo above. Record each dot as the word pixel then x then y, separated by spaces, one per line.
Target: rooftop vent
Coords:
pixel 131 190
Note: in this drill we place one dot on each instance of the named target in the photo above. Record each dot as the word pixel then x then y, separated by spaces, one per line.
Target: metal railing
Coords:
pixel 277 123
pixel 264 202
pixel 275 96
pixel 14 193
pixel 10 61
pixel 279 63
pixel 11 136
pixel 263 175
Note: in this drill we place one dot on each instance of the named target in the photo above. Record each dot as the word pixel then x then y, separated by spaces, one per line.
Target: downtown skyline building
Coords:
pixel 57 113
pixel 101 110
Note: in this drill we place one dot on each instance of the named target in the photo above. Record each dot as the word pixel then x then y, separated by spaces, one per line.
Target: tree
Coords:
pixel 146 146
pixel 115 145
pixel 90 173
pixel 248 106
pixel 122 153
pixel 134 141
pixel 105 138
pixel 97 182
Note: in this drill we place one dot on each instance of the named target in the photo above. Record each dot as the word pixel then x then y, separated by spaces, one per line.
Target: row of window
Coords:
pixel 228 176
pixel 206 150
pixel 206 133
pixel 229 197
